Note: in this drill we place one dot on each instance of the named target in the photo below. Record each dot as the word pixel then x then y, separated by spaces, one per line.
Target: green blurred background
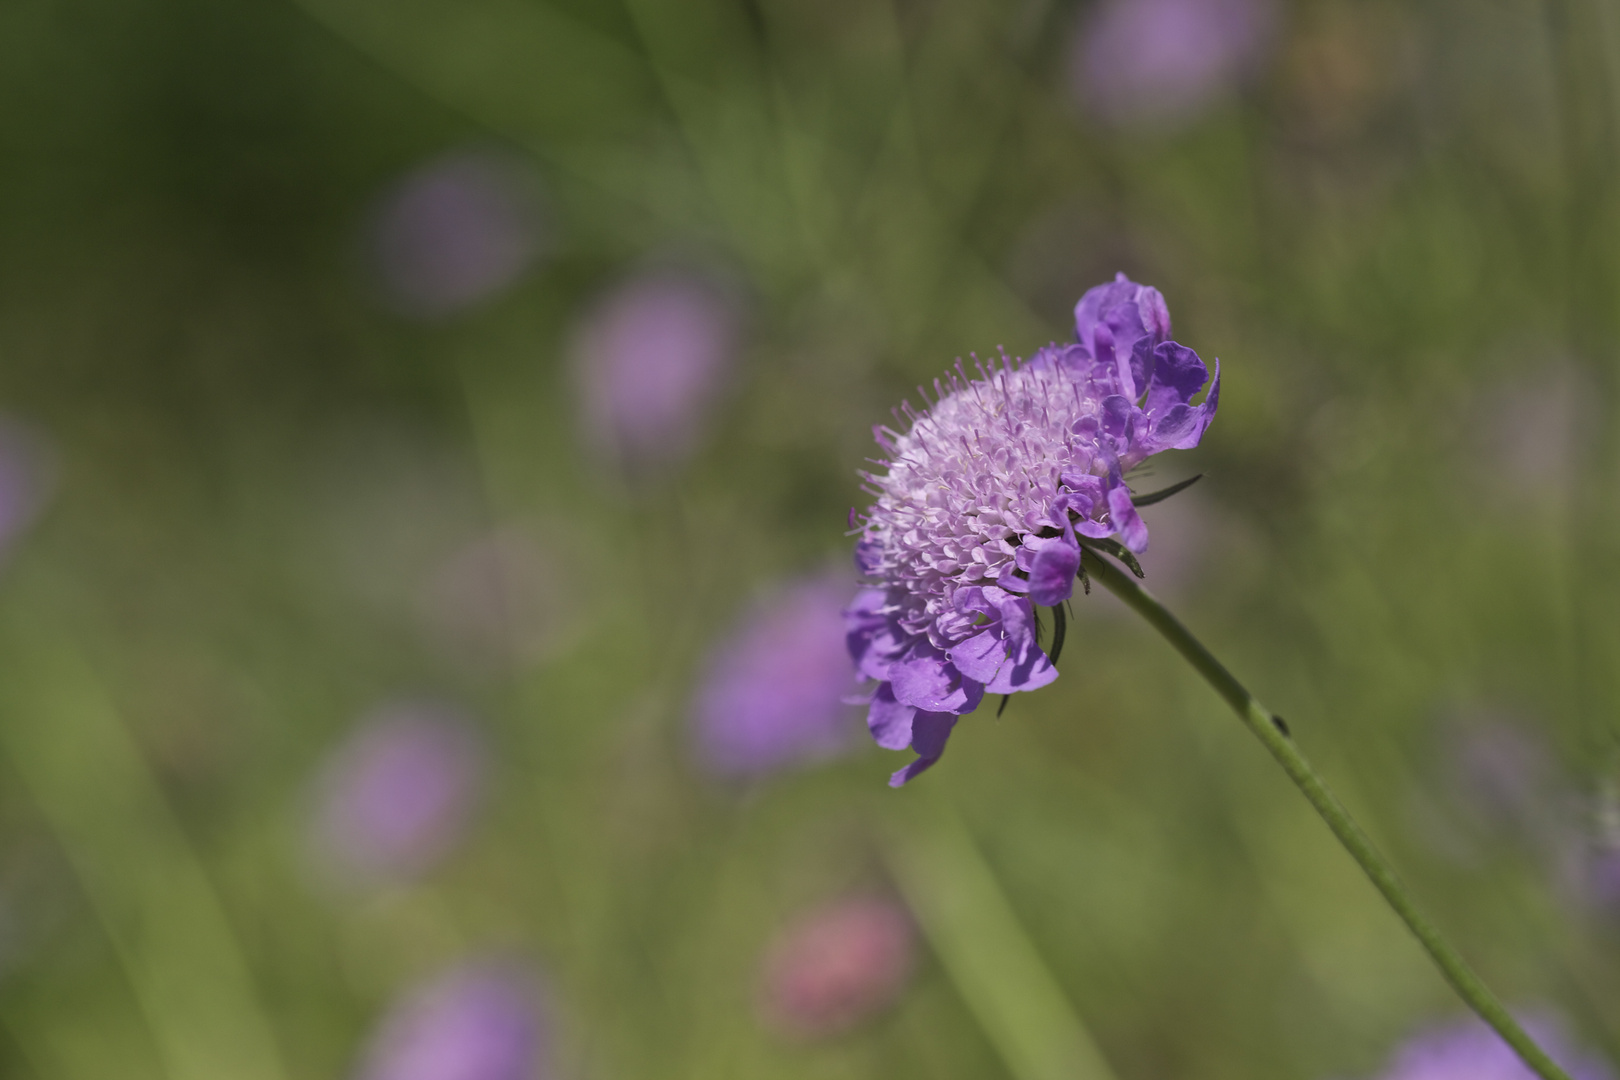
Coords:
pixel 243 464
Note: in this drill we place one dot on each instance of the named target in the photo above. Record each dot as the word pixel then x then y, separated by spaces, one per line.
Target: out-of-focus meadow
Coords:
pixel 428 433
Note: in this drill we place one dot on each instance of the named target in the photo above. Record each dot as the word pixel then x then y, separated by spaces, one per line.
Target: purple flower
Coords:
pixel 774 691
pixel 480 1021
pixel 1157 62
pixel 836 967
pixel 397 796
pixel 651 358
pixel 454 232
pixel 977 518
pixel 1468 1050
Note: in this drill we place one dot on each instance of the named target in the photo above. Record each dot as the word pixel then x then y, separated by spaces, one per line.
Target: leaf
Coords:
pixel 1162 494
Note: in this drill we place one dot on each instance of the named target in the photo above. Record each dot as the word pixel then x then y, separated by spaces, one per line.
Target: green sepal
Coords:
pixel 1109 546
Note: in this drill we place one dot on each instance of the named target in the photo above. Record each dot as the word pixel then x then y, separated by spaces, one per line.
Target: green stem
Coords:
pixel 1271 731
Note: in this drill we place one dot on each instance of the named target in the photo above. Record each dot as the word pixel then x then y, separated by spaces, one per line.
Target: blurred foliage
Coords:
pixel 1399 240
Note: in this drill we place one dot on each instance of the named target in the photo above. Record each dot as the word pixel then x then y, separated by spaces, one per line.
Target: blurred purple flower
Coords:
pixel 480 1021
pixel 1468 1050
pixel 773 693
pixel 837 967
pixel 1158 62
pixel 398 794
pixel 978 516
pixel 651 358
pixel 455 231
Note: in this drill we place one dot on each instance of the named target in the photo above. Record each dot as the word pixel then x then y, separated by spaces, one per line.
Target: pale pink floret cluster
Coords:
pixel 981 469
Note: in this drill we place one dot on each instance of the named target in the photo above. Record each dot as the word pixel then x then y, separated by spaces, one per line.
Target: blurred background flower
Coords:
pixel 1468 1049
pixel 1158 63
pixel 456 231
pixel 836 967
pixel 772 692
pixel 396 796
pixel 652 357
pixel 481 1020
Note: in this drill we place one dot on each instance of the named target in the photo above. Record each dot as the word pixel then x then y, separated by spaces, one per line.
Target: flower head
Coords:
pixel 396 797
pixel 836 967
pixel 480 1021
pixel 978 516
pixel 1468 1050
pixel 1158 62
pixel 774 691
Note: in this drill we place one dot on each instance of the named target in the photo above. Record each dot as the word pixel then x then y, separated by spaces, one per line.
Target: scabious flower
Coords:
pixel 397 796
pixel 1158 62
pixel 1468 1050
pixel 454 232
pixel 836 967
pixel 774 691
pixel 651 357
pixel 978 516
pixel 479 1021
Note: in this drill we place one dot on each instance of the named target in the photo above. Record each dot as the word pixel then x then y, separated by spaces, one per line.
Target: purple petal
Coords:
pixel 1119 418
pixel 1182 426
pixel 930 732
pixel 1178 374
pixel 1028 667
pixel 1051 577
pixel 1125 312
pixel 977 598
pixel 1009 579
pixel 1133 532
pixel 871 636
pixel 927 679
pixel 981 656
pixel 889 721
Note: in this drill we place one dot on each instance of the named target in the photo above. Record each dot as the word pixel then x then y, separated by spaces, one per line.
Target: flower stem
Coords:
pixel 1272 732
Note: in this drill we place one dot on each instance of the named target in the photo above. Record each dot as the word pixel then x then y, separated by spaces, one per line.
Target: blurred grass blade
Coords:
pixel 88 778
pixel 987 954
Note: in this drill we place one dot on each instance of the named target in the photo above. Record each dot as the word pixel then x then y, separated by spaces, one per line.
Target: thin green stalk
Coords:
pixel 1272 732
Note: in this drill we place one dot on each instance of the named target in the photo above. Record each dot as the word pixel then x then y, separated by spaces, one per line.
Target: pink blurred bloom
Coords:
pixel 836 967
